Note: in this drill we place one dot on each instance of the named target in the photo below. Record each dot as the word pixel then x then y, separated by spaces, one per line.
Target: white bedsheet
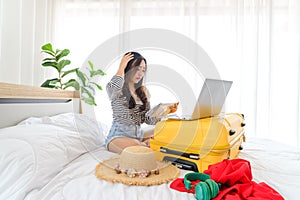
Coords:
pixel 77 181
pixel 275 164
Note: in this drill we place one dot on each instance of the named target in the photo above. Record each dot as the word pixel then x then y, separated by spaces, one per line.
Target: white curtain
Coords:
pixel 24 27
pixel 253 43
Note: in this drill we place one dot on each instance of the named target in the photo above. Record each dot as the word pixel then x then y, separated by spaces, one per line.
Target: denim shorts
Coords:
pixel 122 130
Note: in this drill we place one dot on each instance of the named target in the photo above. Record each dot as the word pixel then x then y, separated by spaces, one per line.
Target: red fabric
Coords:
pixel 230 172
pixel 236 178
pixel 178 184
pixel 249 191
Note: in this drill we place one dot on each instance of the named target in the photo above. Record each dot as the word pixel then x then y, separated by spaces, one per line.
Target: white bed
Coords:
pixel 53 156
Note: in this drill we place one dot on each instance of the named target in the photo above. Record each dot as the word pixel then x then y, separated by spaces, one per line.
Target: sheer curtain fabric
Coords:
pixel 253 43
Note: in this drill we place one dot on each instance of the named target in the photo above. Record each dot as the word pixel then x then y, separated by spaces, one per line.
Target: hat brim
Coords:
pixel 104 170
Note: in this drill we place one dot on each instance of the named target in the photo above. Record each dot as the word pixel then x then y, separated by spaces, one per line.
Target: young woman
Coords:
pixel 130 103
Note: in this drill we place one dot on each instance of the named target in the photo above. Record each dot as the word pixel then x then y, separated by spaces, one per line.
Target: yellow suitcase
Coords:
pixel 195 144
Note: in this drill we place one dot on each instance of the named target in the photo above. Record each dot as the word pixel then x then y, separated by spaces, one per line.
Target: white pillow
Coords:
pixel 91 131
pixel 37 149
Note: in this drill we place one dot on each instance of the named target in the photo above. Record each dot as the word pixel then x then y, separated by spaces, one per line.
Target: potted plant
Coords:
pixel 85 82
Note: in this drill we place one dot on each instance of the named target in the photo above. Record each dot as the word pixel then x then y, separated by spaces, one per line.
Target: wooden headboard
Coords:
pixel 18 102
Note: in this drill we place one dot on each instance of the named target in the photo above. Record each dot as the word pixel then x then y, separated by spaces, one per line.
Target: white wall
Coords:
pixel 23 25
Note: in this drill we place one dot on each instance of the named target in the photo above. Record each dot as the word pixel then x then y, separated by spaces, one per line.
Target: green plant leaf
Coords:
pixel 47 85
pixel 61 64
pixel 71 83
pixel 84 90
pixel 49 59
pixel 50 83
pixel 90 87
pixel 83 83
pixel 68 72
pixel 97 72
pixel 87 96
pixel 82 77
pixel 50 53
pixel 62 53
pixel 54 81
pixel 48 47
pixel 89 101
pixel 50 64
pixel 98 86
pixel 91 65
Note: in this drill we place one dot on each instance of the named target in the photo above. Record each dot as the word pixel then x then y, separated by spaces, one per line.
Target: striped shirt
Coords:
pixel 121 113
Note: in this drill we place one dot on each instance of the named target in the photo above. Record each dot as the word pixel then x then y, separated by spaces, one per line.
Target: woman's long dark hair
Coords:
pixel 139 88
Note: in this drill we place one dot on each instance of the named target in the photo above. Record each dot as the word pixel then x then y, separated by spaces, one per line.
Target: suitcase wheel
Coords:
pixel 231 132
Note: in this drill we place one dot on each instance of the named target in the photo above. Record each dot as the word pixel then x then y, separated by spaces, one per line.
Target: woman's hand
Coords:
pixel 170 109
pixel 126 58
pixel 174 107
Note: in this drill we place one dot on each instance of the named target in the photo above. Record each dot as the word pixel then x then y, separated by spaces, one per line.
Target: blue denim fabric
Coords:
pixel 122 130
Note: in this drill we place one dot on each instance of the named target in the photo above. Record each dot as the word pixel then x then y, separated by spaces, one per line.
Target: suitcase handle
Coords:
pixel 178 153
pixel 182 164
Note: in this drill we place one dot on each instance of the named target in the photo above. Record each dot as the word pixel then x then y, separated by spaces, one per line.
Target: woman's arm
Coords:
pixel 114 87
pixel 126 58
pixel 151 120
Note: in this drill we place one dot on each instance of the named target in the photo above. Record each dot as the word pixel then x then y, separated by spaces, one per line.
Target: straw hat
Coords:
pixel 136 165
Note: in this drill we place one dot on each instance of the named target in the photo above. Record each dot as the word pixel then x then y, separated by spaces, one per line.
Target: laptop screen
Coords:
pixel 211 98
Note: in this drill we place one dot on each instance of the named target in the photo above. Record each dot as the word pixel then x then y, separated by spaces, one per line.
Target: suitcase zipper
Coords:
pixel 178 153
pixel 203 150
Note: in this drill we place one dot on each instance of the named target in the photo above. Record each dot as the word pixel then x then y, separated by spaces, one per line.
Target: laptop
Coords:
pixel 210 100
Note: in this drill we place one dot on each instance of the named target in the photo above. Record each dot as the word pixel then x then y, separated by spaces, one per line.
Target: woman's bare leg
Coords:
pixel 148 132
pixel 118 144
